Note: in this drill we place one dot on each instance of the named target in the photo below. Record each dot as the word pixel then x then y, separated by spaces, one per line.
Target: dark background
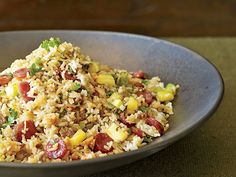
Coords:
pixel 150 17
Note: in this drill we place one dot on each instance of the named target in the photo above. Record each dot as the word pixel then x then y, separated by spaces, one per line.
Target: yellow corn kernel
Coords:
pixel 117 134
pixel 78 137
pixel 93 67
pixel 12 90
pixel 132 105
pixel 106 79
pixel 171 87
pixel 165 95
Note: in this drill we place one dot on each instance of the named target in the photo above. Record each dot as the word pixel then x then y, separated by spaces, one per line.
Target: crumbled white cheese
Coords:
pixel 83 79
pixel 132 145
pixel 74 64
pixel 149 130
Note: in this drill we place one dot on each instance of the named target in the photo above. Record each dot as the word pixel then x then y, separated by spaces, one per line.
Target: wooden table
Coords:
pixel 150 17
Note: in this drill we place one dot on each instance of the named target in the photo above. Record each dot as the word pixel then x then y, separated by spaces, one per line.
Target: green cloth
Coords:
pixel 210 151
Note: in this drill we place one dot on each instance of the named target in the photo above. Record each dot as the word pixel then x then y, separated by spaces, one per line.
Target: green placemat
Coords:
pixel 209 151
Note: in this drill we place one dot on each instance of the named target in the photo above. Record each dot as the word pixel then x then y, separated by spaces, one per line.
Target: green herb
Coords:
pixel 52 42
pixel 144 108
pixel 11 118
pixel 147 139
pixel 76 87
pixel 34 68
pixel 13 115
pixel 122 79
pixel 145 81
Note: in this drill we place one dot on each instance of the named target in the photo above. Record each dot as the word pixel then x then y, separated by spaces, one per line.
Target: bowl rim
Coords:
pixel 179 135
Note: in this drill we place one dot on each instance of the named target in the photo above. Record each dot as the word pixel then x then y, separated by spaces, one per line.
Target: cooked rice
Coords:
pixel 72 98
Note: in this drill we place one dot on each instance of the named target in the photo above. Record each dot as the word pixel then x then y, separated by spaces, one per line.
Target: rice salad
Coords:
pixel 59 105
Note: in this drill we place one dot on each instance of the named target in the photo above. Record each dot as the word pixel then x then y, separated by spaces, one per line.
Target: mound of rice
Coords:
pixel 59 105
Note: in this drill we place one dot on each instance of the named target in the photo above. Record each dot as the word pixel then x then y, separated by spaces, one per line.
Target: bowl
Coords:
pixel 199 96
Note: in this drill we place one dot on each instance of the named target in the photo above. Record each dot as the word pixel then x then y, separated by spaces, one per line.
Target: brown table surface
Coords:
pixel 151 17
pixel 210 151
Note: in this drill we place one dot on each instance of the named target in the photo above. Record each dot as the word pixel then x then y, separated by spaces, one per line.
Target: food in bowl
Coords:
pixel 59 105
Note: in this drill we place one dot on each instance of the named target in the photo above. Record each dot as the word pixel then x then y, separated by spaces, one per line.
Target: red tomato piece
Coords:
pixel 57 152
pixel 101 141
pixel 68 76
pixel 124 121
pixel 147 96
pixel 137 131
pixel 153 122
pixel 139 74
pixel 21 73
pixel 25 128
pixel 24 88
pixel 4 79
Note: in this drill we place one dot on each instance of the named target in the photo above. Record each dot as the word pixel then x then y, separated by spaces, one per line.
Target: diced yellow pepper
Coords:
pixel 106 79
pixel 78 137
pixel 165 95
pixel 116 100
pixel 132 105
pixel 93 67
pixel 171 87
pixel 12 90
pixel 115 96
pixel 117 134
pixel 155 89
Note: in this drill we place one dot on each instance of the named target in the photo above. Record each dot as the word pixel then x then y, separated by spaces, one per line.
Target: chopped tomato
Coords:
pixel 4 79
pixel 139 74
pixel 101 143
pixel 24 88
pixel 21 73
pixel 25 128
pixel 153 122
pixel 56 149
pixel 124 121
pixel 147 96
pixel 137 131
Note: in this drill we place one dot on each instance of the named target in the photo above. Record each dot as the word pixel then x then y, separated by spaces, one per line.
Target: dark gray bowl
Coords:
pixel 200 94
